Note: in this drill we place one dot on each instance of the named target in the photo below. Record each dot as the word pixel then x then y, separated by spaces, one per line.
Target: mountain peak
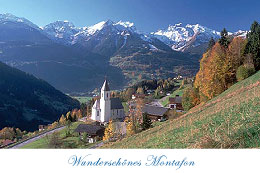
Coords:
pixel 8 17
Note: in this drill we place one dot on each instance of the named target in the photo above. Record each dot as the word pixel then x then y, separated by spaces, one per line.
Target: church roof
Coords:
pixel 105 86
pixel 97 104
pixel 116 103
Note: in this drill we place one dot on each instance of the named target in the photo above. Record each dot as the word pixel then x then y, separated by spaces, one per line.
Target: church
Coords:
pixel 107 108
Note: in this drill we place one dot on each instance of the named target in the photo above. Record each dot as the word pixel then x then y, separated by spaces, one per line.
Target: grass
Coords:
pixel 67 141
pixel 231 120
pixel 126 107
pixel 83 99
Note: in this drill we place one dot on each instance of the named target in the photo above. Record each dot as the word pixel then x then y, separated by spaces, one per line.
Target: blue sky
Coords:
pixel 148 15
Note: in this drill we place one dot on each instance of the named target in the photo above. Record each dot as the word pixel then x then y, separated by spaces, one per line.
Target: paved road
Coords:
pixel 36 138
pixel 98 145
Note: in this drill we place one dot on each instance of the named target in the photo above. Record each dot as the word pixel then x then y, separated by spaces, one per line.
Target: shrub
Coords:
pixel 244 72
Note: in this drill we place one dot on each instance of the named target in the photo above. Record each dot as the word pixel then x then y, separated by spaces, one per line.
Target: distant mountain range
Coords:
pixel 77 59
pixel 27 102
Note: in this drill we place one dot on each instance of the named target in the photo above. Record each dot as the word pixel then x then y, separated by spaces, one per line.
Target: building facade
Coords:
pixel 107 108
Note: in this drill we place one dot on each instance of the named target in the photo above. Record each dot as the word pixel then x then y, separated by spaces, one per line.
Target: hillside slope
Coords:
pixel 231 120
pixel 26 102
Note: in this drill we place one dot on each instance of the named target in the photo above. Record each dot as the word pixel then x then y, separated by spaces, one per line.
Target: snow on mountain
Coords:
pixel 7 17
pixel 61 31
pixel 178 36
pixel 66 32
pixel 241 33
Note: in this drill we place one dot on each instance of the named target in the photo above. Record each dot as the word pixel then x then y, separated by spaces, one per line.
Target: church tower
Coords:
pixel 105 103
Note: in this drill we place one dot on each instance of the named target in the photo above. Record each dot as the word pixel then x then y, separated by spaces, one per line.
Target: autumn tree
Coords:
pixel 139 111
pixel 109 132
pixel 7 133
pixel 140 90
pixel 210 80
pixel 130 129
pixel 234 58
pixel 62 120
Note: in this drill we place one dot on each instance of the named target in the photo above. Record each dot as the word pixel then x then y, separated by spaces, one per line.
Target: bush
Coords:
pixel 244 72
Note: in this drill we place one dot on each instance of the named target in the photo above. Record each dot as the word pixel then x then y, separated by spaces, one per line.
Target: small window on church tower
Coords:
pixel 107 95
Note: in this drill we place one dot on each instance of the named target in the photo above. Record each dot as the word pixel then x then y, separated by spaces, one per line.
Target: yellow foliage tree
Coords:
pixel 130 129
pixel 109 132
pixel 218 68
pixel 62 120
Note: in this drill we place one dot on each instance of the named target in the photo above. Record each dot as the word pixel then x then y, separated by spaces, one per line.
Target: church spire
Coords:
pixel 105 86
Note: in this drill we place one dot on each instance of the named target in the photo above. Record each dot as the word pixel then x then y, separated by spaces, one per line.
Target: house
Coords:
pixel 155 113
pixel 94 131
pixel 42 127
pixel 176 103
pixel 106 108
pixel 137 96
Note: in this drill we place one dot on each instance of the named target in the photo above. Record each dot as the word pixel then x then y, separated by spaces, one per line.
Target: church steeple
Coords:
pixel 105 86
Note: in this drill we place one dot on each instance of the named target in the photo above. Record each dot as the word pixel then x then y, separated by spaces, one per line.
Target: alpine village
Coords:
pixel 111 86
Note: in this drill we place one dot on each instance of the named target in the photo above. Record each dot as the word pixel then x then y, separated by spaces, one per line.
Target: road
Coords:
pixel 98 145
pixel 36 138
pixel 156 102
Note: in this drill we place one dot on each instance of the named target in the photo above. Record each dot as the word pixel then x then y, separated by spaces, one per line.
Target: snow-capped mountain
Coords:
pixel 178 36
pixel 183 37
pixel 122 28
pixel 7 17
pixel 61 31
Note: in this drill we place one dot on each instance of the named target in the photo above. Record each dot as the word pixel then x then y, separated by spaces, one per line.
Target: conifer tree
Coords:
pixel 253 45
pixel 211 43
pixel 224 41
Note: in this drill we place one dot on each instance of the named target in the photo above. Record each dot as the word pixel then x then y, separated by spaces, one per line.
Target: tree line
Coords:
pixel 227 61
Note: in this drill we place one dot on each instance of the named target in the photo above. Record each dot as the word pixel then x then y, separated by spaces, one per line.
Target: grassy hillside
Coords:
pixel 66 141
pixel 231 120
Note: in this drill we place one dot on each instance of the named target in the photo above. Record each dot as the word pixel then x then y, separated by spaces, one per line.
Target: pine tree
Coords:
pixel 224 41
pixel 253 45
pixel 147 123
pixel 211 43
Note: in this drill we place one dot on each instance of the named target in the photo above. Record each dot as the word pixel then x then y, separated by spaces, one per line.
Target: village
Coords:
pixel 111 121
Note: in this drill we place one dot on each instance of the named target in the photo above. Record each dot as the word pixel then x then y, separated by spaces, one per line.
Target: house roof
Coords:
pixel 154 110
pixel 116 103
pixel 105 86
pixel 90 129
pixel 176 99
